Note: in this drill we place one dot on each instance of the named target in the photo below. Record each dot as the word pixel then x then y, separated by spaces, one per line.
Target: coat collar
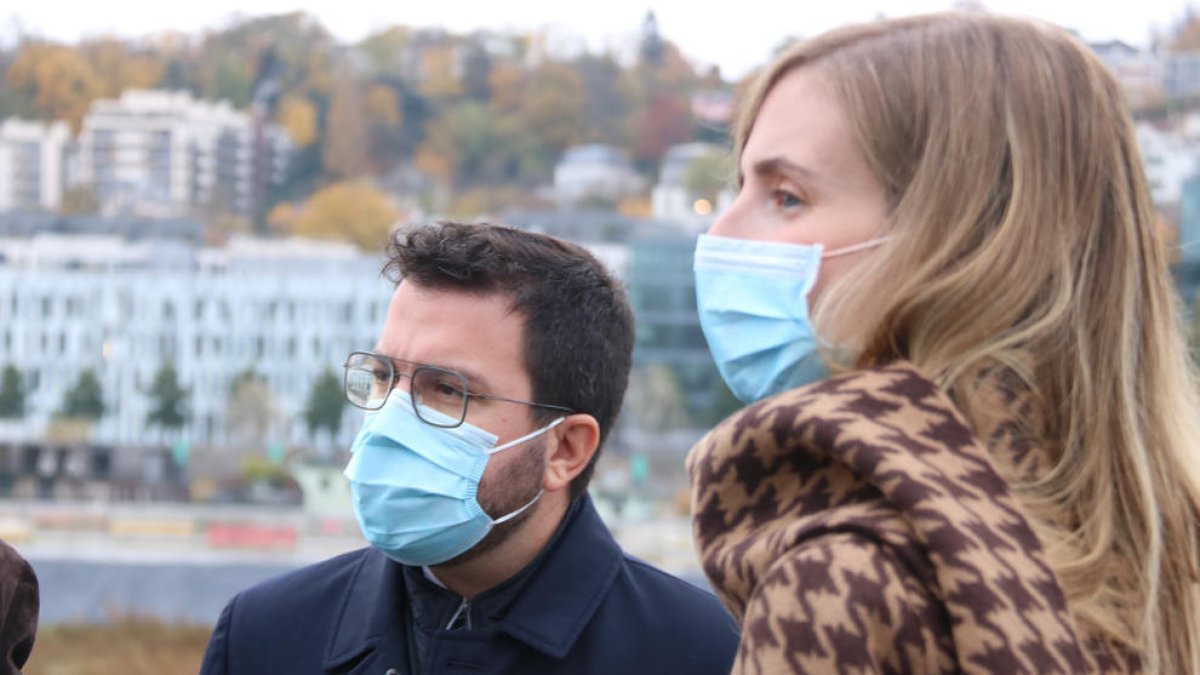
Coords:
pixel 572 579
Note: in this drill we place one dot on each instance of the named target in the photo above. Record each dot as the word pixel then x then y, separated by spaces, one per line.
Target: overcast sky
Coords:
pixel 736 35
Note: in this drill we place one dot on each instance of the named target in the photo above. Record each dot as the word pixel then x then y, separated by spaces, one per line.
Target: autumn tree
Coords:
pixel 53 82
pixel 666 120
pixel 552 108
pixel 291 49
pixel 79 200
pixel 297 115
pixel 352 210
pixel 384 109
pixel 464 146
pixel 1185 35
pixel 344 155
pixel 438 78
pixel 386 51
pixel 250 413
pixel 607 107
pixel 118 66
pixel 659 88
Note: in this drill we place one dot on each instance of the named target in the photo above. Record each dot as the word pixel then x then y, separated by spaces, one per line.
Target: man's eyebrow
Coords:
pixel 476 382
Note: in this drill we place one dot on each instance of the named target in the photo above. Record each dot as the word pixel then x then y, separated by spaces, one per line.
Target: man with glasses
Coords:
pixel 500 370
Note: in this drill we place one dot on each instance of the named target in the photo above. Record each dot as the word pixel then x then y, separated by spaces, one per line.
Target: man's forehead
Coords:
pixel 479 335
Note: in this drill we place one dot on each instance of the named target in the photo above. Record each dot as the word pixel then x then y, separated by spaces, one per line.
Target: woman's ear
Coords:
pixel 572 445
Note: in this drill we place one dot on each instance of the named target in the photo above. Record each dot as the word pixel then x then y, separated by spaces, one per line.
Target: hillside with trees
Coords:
pixel 449 123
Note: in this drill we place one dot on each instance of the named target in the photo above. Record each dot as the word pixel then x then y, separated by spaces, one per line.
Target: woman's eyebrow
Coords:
pixel 776 165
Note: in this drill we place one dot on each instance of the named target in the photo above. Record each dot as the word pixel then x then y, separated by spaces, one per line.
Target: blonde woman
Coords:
pixel 972 440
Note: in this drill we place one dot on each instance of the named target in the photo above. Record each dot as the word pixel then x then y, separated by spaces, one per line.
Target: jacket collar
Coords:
pixel 572 579
pixel 567 589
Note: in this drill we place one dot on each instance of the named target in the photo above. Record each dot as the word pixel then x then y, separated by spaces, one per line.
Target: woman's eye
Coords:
pixel 786 200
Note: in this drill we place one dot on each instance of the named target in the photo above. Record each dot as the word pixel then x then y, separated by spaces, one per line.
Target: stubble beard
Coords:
pixel 514 487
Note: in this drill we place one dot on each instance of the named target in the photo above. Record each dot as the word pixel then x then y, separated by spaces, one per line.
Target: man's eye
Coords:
pixel 447 390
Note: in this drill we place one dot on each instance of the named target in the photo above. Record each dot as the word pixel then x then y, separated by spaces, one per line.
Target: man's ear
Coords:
pixel 571 446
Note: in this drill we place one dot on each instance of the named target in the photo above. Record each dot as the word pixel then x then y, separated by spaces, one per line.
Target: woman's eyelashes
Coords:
pixel 786 201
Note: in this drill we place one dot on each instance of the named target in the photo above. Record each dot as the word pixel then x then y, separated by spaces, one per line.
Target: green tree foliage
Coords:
pixel 168 407
pixel 84 400
pixel 12 393
pixel 292 50
pixel 326 402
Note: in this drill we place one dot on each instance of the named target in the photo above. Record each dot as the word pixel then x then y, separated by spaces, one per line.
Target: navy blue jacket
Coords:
pixel 589 608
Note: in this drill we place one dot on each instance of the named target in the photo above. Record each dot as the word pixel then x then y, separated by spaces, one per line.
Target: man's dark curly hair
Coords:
pixel 578 322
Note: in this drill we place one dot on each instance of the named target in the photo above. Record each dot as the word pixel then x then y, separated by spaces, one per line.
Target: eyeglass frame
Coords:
pixel 412 397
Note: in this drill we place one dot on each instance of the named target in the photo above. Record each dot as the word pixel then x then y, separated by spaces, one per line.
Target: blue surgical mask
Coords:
pixel 753 302
pixel 414 485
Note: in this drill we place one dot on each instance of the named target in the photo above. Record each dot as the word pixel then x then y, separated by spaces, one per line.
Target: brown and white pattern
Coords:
pixel 856 525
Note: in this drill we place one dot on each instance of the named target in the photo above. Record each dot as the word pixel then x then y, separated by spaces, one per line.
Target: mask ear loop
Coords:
pixel 532 434
pixel 514 514
pixel 855 248
pixel 531 502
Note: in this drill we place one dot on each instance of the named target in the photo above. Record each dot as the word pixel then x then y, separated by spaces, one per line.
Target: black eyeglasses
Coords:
pixel 439 396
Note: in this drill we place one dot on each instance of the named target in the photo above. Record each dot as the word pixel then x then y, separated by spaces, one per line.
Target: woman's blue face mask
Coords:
pixel 753 302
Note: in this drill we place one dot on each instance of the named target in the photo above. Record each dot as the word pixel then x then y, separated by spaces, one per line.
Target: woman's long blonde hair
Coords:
pixel 1023 236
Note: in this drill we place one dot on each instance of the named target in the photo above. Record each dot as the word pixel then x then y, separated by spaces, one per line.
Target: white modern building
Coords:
pixel 1142 74
pixel 675 200
pixel 596 172
pixel 286 310
pixel 163 153
pixel 32 164
pixel 1169 161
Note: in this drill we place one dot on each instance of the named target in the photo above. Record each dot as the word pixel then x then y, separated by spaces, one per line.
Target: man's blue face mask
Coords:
pixel 414 485
pixel 753 302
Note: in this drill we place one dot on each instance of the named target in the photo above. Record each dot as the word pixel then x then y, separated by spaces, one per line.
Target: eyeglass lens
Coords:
pixel 439 396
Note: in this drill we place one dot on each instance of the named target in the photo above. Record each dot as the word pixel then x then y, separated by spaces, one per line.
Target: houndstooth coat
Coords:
pixel 856 525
